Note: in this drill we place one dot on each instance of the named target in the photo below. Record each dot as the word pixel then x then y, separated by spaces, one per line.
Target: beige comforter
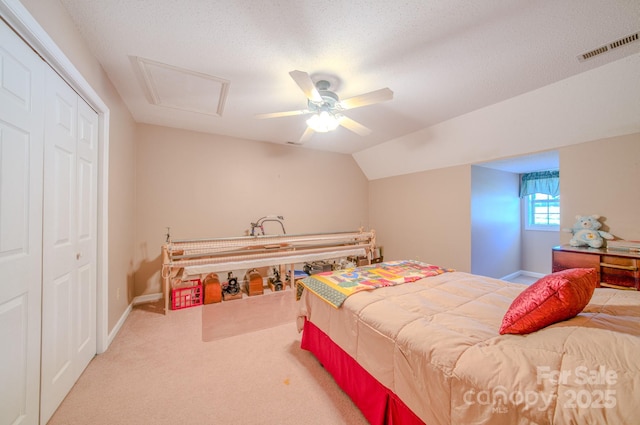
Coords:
pixel 435 344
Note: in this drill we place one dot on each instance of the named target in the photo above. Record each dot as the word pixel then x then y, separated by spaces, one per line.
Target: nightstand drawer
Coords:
pixel 620 271
pixel 572 260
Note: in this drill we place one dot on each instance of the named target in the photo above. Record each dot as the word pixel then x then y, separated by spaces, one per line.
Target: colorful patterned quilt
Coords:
pixel 334 287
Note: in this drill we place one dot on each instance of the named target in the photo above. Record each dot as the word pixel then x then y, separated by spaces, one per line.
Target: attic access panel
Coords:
pixel 184 89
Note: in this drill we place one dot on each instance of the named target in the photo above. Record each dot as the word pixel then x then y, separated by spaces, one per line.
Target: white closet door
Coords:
pixel 69 242
pixel 86 232
pixel 21 153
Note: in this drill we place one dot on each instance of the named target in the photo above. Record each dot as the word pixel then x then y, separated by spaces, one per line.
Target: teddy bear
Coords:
pixel 585 232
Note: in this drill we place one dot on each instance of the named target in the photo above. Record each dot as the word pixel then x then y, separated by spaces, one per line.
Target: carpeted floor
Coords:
pixel 249 314
pixel 158 370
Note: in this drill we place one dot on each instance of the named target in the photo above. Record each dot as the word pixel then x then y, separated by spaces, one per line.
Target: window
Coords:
pixel 542 212
pixel 541 193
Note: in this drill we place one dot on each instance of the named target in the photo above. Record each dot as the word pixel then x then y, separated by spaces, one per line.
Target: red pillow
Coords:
pixel 555 297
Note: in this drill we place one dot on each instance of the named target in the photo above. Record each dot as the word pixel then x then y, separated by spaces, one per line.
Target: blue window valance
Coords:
pixel 547 182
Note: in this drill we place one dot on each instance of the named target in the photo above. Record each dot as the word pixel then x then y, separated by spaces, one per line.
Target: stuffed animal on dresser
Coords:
pixel 586 232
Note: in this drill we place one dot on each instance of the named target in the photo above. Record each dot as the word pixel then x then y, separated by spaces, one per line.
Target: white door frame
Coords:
pixel 18 18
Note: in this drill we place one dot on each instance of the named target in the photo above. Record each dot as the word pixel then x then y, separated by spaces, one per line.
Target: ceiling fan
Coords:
pixel 326 106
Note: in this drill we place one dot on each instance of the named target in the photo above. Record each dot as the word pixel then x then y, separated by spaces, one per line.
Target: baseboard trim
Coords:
pixel 511 276
pixel 147 298
pixel 522 273
pixel 118 325
pixel 137 300
pixel 531 274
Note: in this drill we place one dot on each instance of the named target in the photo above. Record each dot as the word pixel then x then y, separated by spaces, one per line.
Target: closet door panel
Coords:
pixel 60 280
pixel 85 332
pixel 14 191
pixel 61 319
pixel 21 159
pixel 60 212
pixel 69 242
pixel 86 232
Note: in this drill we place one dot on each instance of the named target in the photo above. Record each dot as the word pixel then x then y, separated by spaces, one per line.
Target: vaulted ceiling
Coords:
pixel 212 65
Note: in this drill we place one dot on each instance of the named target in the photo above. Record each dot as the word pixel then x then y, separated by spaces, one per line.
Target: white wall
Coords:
pixel 429 215
pixel 536 248
pixel 596 104
pixel 495 222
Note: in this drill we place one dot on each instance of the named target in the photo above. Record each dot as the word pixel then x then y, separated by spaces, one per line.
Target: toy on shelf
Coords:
pixel 586 232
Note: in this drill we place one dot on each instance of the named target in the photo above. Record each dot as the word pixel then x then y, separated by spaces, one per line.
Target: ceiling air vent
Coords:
pixel 611 46
pixel 623 41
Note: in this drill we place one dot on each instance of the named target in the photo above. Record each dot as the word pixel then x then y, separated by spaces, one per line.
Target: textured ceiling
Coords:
pixel 441 58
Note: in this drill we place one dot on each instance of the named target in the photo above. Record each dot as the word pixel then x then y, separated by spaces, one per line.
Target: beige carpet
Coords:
pixel 249 314
pixel 159 371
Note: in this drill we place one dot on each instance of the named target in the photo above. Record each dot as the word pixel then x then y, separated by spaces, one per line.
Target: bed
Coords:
pixel 429 352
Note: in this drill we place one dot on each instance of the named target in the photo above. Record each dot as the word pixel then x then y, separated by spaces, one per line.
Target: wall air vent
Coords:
pixel 632 38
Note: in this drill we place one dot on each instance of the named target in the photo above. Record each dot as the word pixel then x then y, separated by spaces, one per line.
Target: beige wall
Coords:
pixel 203 185
pixel 536 249
pixel 427 215
pixel 602 177
pixel 55 21
pixel 424 216
pixel 495 222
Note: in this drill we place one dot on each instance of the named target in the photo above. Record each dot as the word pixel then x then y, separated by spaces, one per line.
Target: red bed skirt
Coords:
pixel 377 403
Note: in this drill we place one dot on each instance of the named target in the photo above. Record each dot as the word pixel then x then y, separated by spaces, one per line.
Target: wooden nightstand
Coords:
pixel 615 269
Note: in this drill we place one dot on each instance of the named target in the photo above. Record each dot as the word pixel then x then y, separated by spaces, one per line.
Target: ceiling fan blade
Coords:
pixel 303 80
pixel 354 126
pixel 306 135
pixel 283 114
pixel 376 96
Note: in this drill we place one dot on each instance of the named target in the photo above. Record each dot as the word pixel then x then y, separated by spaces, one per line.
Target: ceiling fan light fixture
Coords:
pixel 323 122
pixel 326 108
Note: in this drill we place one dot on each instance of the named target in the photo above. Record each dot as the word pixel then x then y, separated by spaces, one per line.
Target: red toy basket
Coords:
pixel 188 296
